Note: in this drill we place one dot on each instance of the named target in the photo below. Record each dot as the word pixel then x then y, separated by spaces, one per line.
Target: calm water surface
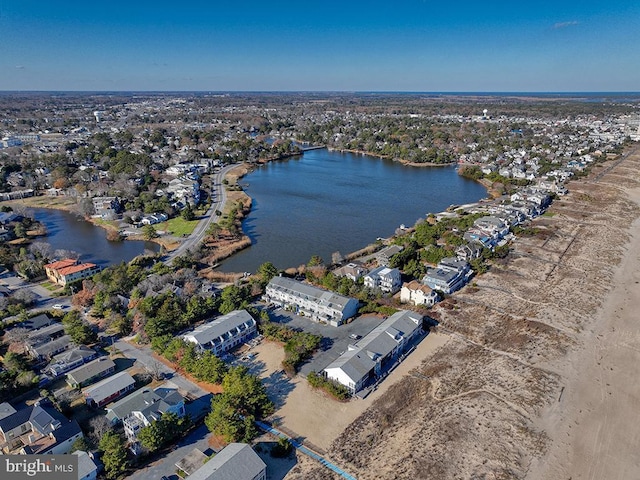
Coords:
pixel 325 202
pixel 68 231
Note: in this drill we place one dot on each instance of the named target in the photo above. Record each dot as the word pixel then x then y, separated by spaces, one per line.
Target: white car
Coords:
pixel 58 306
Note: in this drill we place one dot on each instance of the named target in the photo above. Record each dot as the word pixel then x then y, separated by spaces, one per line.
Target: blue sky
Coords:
pixel 401 45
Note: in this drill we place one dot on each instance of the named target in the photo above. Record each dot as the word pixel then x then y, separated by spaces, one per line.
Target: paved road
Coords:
pixel 200 231
pixel 145 358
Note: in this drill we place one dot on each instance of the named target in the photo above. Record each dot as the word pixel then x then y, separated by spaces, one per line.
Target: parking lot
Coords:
pixel 334 339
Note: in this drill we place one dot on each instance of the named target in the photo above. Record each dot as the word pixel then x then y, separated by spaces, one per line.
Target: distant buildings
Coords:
pixel 309 301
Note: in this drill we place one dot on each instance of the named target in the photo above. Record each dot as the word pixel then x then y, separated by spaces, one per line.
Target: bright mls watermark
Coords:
pixel 37 467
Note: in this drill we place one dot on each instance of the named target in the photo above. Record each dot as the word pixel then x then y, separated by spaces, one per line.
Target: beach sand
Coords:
pixel 594 426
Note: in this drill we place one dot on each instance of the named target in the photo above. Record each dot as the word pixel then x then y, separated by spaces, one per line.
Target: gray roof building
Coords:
pixel 236 461
pixel 318 304
pixel 224 333
pixel 146 401
pixel 109 389
pixel 98 368
pixel 370 356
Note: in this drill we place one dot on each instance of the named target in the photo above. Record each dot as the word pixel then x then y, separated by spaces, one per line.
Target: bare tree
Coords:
pixel 17 336
pixel 25 296
pixel 64 253
pixel 42 249
pixel 99 426
pixel 155 369
pixel 336 258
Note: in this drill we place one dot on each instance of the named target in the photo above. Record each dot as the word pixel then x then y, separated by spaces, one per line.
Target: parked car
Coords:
pixel 353 336
pixel 58 306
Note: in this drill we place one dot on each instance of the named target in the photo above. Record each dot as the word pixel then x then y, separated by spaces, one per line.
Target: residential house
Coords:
pixel 384 256
pixel 37 322
pixel 48 341
pixel 236 461
pixel 468 252
pixel 223 333
pixel 386 279
pixel 418 294
pixel 352 270
pixel 87 468
pixel 318 304
pixel 107 207
pixel 143 407
pixel 154 219
pixel 450 275
pixel 376 352
pixel 70 359
pixel 91 372
pixel 37 429
pixel 64 272
pixel 109 389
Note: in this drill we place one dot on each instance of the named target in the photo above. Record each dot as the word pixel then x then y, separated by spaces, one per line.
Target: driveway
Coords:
pixel 166 465
pixel 145 358
pixel 335 340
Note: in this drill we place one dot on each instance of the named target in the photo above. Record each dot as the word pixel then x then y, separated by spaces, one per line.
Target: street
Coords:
pixel 200 232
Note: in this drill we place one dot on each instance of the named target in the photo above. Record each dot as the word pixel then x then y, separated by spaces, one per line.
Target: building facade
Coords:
pixel 309 301
pixel 224 333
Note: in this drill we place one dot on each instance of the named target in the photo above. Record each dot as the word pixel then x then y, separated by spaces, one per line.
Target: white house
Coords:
pixel 386 279
pixel 309 301
pixel 377 351
pixel 224 333
pixel 418 294
pixel 143 407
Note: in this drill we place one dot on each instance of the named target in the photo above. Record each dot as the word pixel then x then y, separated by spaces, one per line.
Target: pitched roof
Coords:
pixel 91 369
pixel 67 262
pixel 362 357
pixel 318 295
pixel 151 403
pixel 236 461
pixel 109 386
pixel 76 268
pixel 220 326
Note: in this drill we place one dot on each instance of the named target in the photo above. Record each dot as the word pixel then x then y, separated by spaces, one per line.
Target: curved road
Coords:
pixel 200 231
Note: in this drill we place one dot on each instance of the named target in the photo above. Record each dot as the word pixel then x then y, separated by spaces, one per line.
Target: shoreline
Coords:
pixel 386 157
pixel 537 381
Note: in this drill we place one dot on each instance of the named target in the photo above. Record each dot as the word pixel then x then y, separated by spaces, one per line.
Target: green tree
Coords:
pixel 114 457
pixel 149 232
pixel 187 213
pixel 267 271
pixel 80 332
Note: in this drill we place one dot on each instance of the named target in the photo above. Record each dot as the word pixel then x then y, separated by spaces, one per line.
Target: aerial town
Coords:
pixel 165 367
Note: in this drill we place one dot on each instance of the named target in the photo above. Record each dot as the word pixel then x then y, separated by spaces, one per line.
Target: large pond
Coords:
pixel 324 201
pixel 70 232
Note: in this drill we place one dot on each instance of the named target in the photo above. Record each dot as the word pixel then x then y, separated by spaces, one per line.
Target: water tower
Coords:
pixel 484 113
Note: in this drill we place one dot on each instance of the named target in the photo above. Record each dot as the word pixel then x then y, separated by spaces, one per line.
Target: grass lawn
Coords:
pixel 179 227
